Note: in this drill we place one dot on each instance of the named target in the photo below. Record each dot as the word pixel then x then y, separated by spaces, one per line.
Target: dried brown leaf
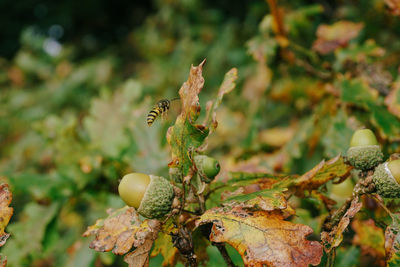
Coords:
pixel 5 212
pixel 189 93
pixel 121 231
pixel 334 238
pixel 262 237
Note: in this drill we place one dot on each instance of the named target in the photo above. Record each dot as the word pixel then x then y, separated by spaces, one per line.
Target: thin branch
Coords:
pixel 278 18
pixel 222 249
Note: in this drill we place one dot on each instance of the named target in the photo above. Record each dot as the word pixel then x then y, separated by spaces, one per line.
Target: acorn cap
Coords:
pixel 385 182
pixel 157 199
pixel 208 167
pixel 364 152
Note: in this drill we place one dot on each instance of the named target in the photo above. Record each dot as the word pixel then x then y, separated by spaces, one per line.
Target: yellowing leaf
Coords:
pixel 5 212
pixel 163 245
pixel 330 37
pixel 262 237
pixel 370 238
pixel 121 231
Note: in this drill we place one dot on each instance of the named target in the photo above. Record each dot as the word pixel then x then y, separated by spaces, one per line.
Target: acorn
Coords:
pixel 208 167
pixel 151 195
pixel 364 152
pixel 387 178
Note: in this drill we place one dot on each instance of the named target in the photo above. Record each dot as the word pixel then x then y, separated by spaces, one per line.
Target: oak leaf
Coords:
pixel 262 237
pixel 330 37
pixel 5 212
pixel 370 238
pixel 123 230
pixel 164 246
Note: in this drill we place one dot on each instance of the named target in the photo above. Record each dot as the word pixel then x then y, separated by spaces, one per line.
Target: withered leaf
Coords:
pixel 189 93
pixel 121 231
pixel 5 211
pixel 370 238
pixel 330 37
pixel 334 238
pixel 262 237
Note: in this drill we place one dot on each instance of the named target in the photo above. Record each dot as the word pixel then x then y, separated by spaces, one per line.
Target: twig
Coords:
pixel 280 29
pixel 222 249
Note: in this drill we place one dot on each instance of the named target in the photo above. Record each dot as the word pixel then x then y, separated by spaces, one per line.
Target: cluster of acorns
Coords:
pixel 153 196
pixel 365 154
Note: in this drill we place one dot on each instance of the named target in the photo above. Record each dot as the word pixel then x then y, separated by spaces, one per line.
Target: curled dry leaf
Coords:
pixel 5 212
pixel 262 237
pixel 226 87
pixel 334 238
pixel 330 37
pixel 121 231
pixel 370 238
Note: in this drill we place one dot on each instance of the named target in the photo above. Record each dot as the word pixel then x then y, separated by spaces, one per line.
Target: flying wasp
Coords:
pixel 161 108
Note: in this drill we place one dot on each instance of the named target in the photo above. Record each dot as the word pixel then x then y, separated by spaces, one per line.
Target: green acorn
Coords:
pixel 364 152
pixel 387 179
pixel 208 167
pixel 151 195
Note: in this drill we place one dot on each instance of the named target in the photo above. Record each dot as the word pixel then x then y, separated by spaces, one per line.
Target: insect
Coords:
pixel 161 108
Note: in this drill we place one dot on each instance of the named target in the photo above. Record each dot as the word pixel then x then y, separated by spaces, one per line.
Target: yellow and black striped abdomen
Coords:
pixel 153 114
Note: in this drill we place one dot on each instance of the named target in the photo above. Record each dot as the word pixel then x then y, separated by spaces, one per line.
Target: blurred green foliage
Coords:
pixel 73 109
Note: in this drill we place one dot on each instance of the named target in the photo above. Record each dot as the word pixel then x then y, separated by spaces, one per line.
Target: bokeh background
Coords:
pixel 77 79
